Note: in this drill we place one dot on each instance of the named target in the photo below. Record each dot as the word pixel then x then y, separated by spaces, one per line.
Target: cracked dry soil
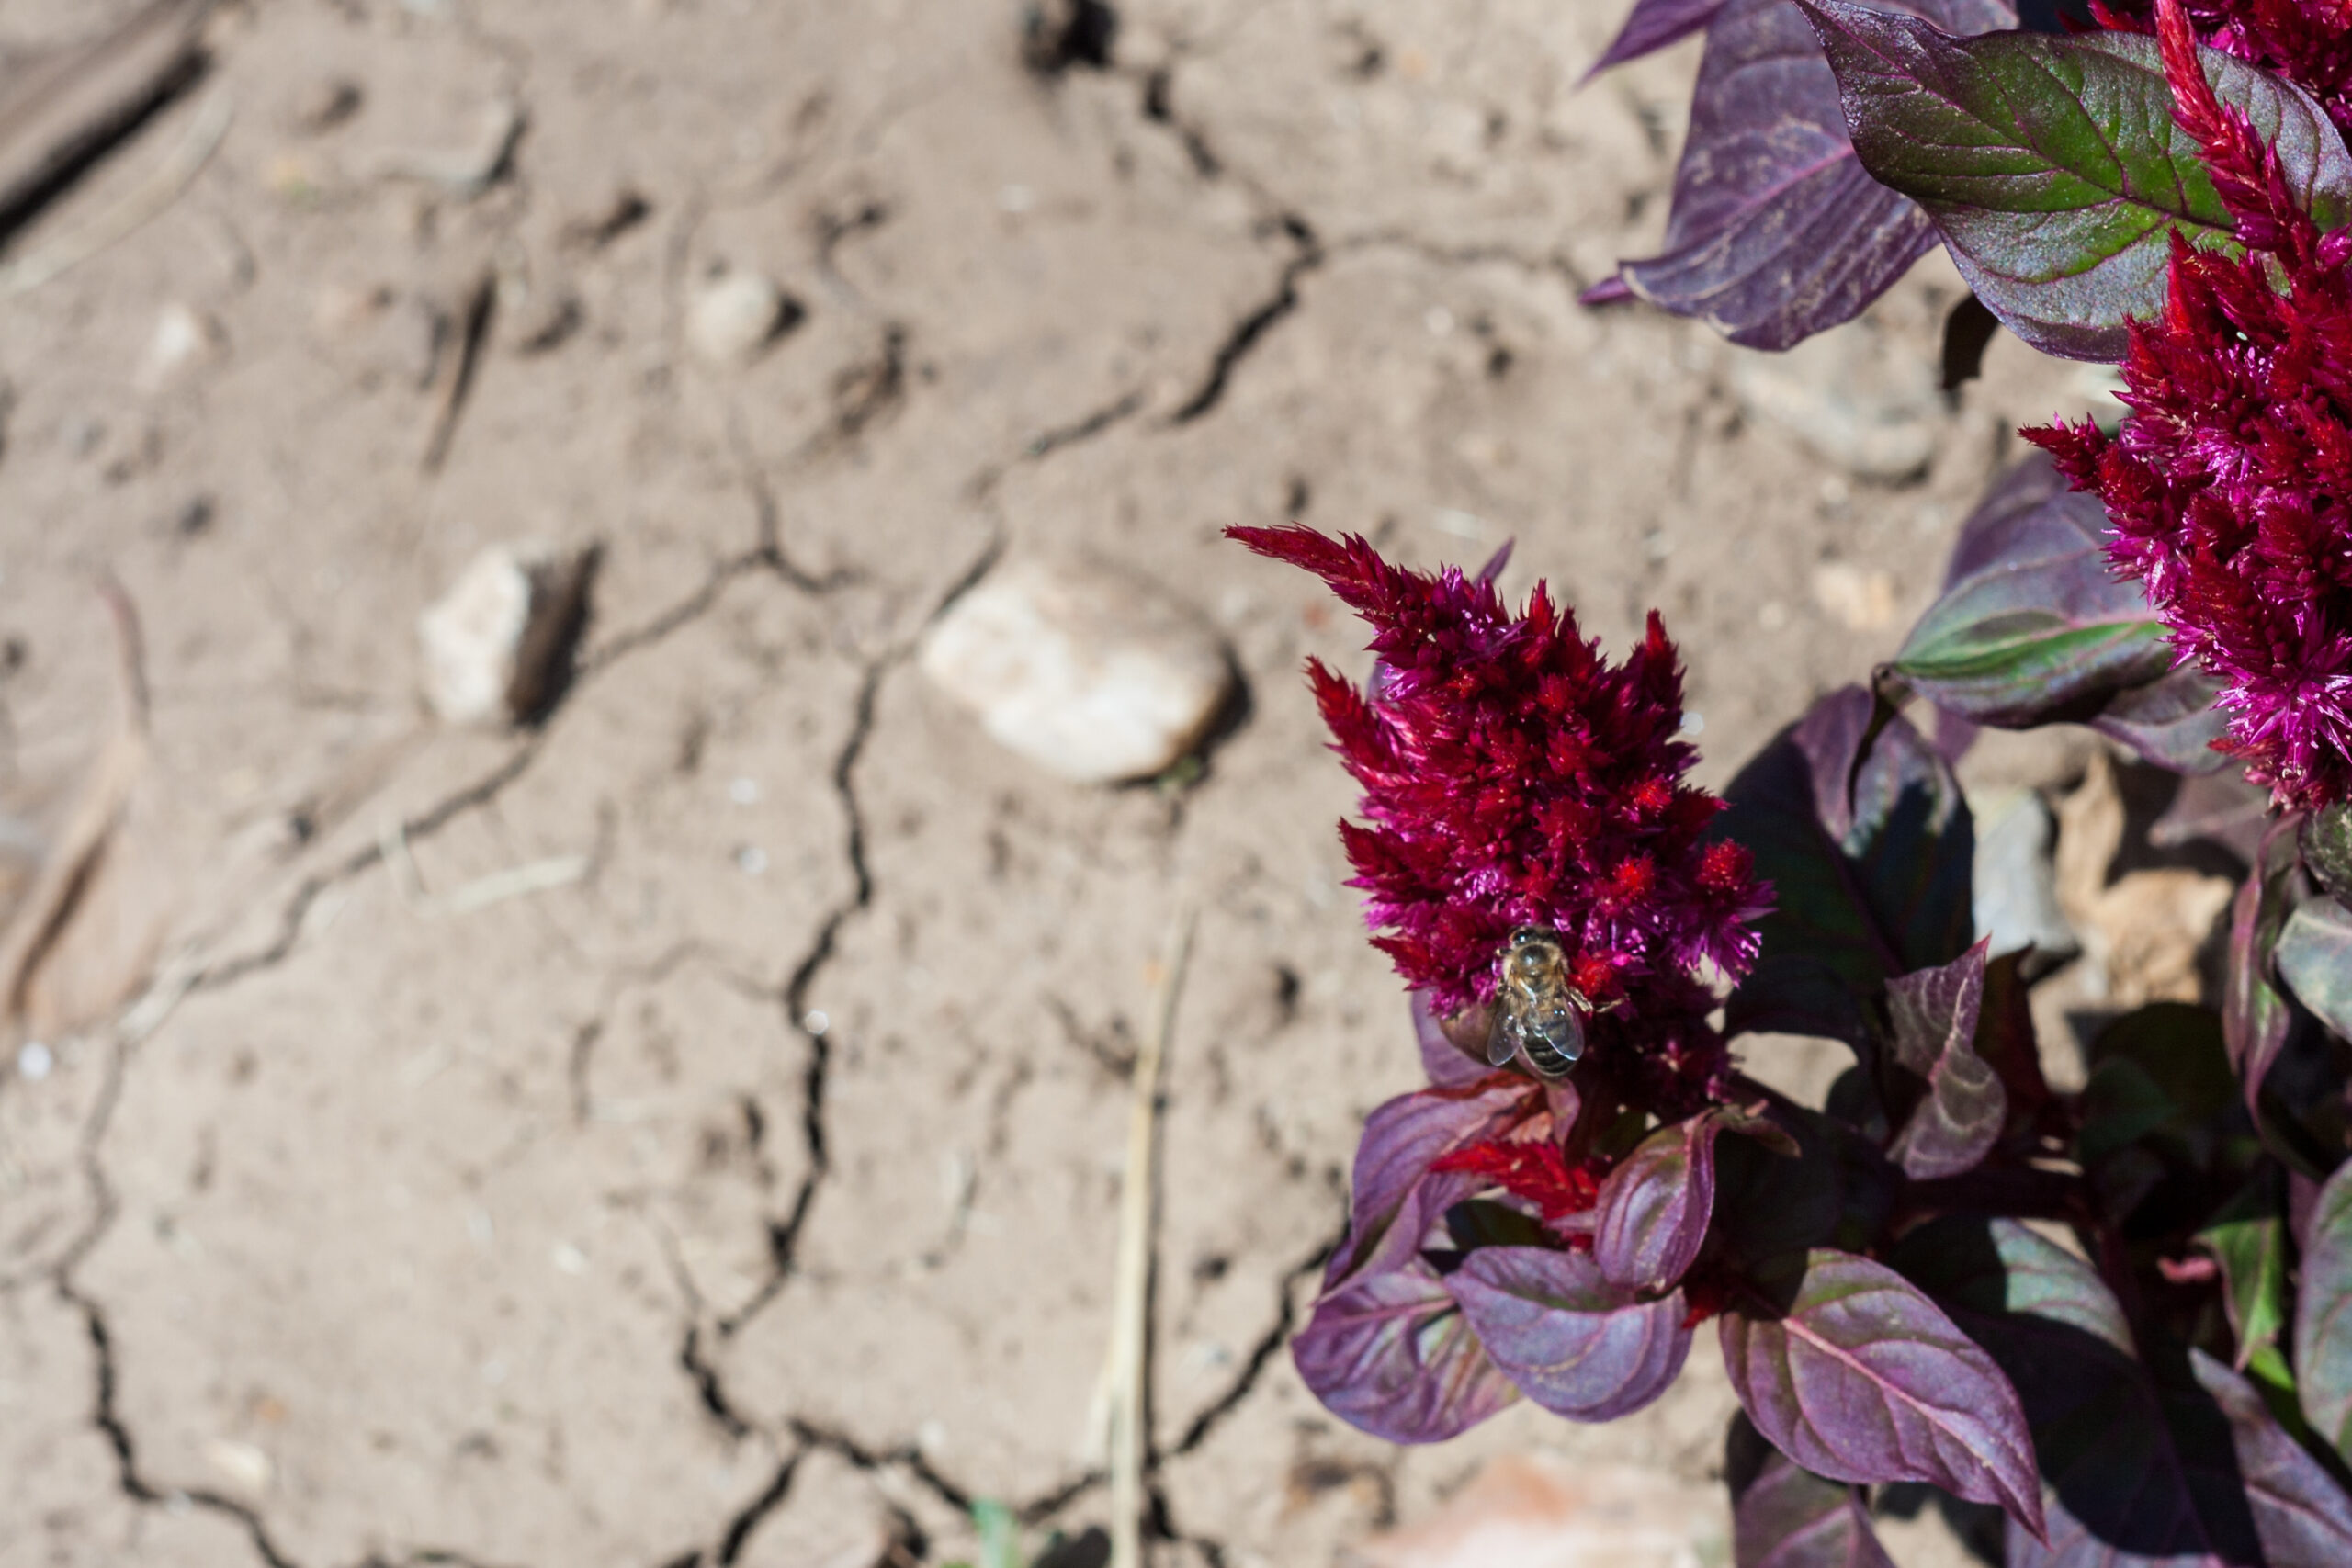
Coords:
pixel 751 1198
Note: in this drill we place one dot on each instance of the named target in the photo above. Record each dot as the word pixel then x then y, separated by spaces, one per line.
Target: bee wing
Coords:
pixel 1502 1040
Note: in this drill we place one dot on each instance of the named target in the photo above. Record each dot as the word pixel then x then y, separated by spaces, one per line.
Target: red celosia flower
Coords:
pixel 1538 1174
pixel 2230 484
pixel 2307 41
pixel 1514 776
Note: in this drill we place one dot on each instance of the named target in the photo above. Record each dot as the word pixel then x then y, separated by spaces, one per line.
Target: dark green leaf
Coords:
pixel 2325 840
pixel 1998 1268
pixel 2032 626
pixel 2121 1105
pixel 2255 1016
pixel 2315 960
pixel 1766 1204
pixel 1869 882
pixel 2323 1315
pixel 2052 164
pixel 2179 1047
pixel 2247 1235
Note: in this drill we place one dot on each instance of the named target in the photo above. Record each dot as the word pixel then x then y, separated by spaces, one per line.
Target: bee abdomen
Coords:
pixel 1553 1040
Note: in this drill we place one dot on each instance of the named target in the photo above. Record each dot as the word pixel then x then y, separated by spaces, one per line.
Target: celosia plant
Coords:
pixel 1513 777
pixel 2158 1369
pixel 2229 486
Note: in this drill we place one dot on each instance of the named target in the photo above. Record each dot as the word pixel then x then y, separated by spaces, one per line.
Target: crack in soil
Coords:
pixel 111 1427
pixel 1212 1414
pixel 709 1384
pixel 1251 329
pixel 739 1529
pixel 784 1236
pixel 866 392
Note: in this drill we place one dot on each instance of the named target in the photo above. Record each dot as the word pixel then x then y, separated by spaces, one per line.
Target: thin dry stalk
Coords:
pixel 1131 1288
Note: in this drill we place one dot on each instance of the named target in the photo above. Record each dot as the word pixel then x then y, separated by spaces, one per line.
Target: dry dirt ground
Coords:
pixel 752 1197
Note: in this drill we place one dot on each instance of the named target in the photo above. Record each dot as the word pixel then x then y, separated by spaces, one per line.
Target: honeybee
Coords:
pixel 1538 1013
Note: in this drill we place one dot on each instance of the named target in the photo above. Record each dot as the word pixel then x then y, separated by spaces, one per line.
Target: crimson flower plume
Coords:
pixel 1514 776
pixel 2229 483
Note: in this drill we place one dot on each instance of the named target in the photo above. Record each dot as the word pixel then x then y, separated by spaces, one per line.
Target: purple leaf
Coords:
pixel 1448 1065
pixel 1854 1374
pixel 2032 624
pixel 2323 1314
pixel 2219 807
pixel 2053 166
pixel 1401 1140
pixel 1998 1268
pixel 1866 886
pixel 2314 958
pixel 2179 1475
pixel 1654 1206
pixel 2302 1515
pixel 1651 25
pixel 1783 1516
pixel 1775 232
pixel 1391 1352
pixel 1766 1204
pixel 2255 1016
pixel 1573 1342
pixel 1933 1015
pixel 2172 723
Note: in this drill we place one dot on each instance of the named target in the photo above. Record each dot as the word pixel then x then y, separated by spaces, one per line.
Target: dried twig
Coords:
pixel 1121 1399
pixel 496 888
pixel 38 923
pixel 64 107
pixel 144 200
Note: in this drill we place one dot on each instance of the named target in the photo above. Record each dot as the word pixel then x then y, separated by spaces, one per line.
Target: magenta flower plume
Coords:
pixel 1512 776
pixel 2307 41
pixel 2229 483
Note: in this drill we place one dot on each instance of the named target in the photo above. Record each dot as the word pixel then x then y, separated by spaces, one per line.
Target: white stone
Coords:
pixel 1083 670
pixel 244 1464
pixel 184 339
pixel 733 317
pixel 2015 879
pixel 1859 599
pixel 499 641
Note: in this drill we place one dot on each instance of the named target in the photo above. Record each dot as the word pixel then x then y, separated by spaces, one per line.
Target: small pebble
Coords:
pixel 184 338
pixel 1091 673
pixel 327 104
pixel 34 1061
pixel 744 792
pixel 248 1467
pixel 2015 879
pixel 815 1022
pixel 735 316
pixel 750 859
pixel 498 644
pixel 1859 599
